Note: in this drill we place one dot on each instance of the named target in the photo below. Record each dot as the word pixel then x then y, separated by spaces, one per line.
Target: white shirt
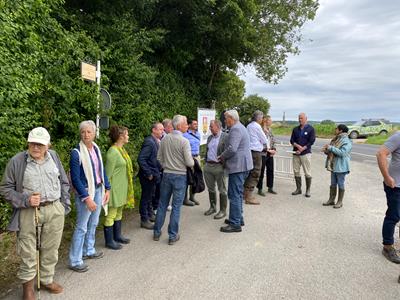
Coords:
pixel 258 139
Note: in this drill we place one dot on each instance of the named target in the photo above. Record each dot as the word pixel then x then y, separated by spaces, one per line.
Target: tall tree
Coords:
pixel 206 38
pixel 250 104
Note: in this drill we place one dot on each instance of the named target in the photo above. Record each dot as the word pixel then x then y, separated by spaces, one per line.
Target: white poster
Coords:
pixel 204 117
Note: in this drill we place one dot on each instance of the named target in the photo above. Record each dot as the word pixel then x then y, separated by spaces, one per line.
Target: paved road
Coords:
pixel 291 248
pixel 361 152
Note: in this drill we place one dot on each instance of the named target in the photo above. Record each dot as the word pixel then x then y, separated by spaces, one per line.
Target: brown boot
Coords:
pixel 28 293
pixel 249 198
pixel 53 288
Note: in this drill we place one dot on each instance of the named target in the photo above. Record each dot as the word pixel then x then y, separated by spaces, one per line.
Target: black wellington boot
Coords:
pixel 108 236
pixel 213 202
pixel 118 237
pixel 223 201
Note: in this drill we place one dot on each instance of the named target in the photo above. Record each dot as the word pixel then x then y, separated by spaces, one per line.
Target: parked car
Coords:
pixel 369 127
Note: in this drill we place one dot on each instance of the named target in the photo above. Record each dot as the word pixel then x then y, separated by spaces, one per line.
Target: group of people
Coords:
pixel 37 186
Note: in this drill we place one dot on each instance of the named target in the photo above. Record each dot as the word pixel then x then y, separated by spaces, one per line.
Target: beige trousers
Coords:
pixel 51 218
pixel 214 174
pixel 302 161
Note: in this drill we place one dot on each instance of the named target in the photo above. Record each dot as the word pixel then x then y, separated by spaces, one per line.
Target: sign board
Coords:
pixel 106 99
pixel 88 71
pixel 104 122
pixel 204 117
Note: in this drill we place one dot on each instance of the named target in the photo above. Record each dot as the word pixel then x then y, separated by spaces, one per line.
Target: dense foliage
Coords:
pixel 159 58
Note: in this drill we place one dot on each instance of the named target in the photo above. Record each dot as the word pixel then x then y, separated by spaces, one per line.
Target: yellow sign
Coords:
pixel 88 71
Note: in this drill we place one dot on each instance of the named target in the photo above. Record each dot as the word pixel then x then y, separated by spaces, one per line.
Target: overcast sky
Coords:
pixel 348 67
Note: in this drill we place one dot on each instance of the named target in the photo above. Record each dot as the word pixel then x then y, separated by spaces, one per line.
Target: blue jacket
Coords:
pixel 78 177
pixel 341 161
pixel 147 159
pixel 305 137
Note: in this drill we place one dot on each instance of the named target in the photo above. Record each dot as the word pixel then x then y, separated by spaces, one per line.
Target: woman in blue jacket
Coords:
pixel 92 190
pixel 338 163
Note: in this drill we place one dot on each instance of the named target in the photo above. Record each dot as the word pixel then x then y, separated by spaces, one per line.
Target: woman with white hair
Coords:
pixel 91 191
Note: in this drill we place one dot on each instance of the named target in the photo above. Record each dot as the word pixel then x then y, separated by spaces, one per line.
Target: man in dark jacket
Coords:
pixel 303 137
pixel 149 173
pixel 36 185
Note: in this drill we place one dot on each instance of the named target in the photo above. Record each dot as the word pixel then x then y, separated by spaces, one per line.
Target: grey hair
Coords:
pixel 88 123
pixel 166 122
pixel 303 114
pixel 178 119
pixel 257 115
pixel 233 114
pixel 217 122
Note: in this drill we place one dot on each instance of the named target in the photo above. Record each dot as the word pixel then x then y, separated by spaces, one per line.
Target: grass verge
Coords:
pixel 377 139
pixel 321 131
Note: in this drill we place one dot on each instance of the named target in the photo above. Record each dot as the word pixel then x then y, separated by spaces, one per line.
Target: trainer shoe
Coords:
pixel 79 268
pixel 174 240
pixel 97 255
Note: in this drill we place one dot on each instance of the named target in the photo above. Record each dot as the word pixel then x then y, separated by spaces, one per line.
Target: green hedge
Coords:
pixel 41 47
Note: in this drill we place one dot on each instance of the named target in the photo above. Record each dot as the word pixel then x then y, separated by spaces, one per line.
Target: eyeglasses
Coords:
pixel 36 145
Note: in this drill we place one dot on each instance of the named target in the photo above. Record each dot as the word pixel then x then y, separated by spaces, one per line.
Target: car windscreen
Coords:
pixel 358 123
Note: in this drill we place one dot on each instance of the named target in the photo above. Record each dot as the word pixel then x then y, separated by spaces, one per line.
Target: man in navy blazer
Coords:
pixel 238 162
pixel 149 173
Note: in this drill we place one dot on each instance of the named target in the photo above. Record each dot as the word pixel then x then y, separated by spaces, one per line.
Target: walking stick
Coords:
pixel 37 250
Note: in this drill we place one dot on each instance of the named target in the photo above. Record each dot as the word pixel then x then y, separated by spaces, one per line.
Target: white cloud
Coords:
pixel 348 67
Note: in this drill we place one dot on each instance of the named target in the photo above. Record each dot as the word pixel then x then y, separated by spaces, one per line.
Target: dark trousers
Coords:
pixel 267 167
pixel 148 190
pixel 156 197
pixel 392 214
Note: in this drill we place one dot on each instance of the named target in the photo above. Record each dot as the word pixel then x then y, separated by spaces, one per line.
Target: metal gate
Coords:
pixel 283 167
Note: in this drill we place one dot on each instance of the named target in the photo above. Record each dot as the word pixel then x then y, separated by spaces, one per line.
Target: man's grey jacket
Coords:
pixel 237 155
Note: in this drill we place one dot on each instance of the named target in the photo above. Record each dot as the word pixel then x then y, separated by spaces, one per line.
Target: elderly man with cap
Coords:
pixel 35 182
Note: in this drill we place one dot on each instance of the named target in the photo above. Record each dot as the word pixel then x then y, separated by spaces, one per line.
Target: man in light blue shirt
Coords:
pixel 214 170
pixel 193 136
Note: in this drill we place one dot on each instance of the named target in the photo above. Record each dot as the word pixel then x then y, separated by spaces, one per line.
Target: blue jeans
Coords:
pixel 392 214
pixel 338 179
pixel 84 236
pixel 171 184
pixel 235 196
